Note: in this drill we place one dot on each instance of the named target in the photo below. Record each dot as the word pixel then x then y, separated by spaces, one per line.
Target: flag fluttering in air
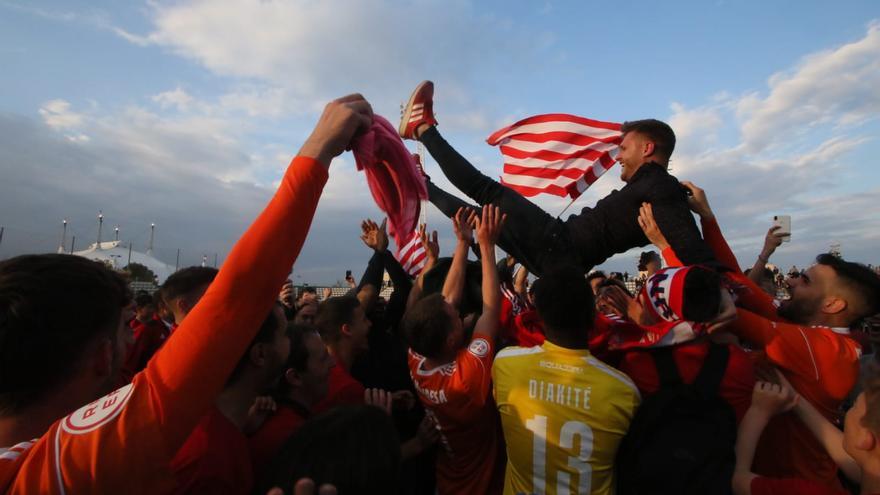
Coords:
pixel 412 255
pixel 556 153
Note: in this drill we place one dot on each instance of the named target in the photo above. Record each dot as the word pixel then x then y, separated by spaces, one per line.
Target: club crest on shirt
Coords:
pixel 479 348
pixel 92 416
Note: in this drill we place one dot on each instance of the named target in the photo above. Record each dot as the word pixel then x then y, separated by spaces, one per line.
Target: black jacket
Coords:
pixel 612 225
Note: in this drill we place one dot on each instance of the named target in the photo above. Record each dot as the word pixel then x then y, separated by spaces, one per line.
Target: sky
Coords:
pixel 185 114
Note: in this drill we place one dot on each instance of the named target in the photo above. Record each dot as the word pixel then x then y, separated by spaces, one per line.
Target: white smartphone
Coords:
pixel 784 223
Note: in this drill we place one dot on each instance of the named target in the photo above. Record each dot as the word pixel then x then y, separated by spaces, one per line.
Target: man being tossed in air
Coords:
pixel 538 240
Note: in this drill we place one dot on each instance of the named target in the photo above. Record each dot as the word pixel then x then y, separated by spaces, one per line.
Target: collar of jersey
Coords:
pixel 551 347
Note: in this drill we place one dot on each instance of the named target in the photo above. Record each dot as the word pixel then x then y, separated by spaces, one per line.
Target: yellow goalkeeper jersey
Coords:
pixel 564 413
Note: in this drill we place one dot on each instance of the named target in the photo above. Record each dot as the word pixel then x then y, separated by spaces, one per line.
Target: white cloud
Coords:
pixel 837 87
pixel 176 98
pixel 316 50
pixel 57 115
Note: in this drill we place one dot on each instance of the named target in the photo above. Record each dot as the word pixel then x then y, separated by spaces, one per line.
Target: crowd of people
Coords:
pixel 467 379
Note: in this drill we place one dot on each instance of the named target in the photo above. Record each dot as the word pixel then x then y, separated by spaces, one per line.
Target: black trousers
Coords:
pixel 536 239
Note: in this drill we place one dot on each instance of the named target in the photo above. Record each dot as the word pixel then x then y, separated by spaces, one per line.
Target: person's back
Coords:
pixel 736 384
pixel 563 411
pixel 458 397
pixel 452 376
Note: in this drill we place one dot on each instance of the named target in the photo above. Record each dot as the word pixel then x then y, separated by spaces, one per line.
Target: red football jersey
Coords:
pixel 459 396
pixel 124 442
pixel 214 459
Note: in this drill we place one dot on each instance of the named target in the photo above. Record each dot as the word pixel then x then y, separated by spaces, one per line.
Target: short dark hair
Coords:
pixel 646 257
pixel 298 358
pixel 52 307
pixel 334 312
pixel 265 334
pixel 860 280
pixel 427 325
pixel 354 448
pixel 564 301
pixel 596 274
pixel 658 132
pixel 187 280
pixel 702 294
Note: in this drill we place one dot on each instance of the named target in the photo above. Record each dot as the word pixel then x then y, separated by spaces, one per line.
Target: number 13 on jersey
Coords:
pixel 572 457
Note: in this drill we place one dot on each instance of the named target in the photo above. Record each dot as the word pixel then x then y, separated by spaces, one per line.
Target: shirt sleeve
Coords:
pixel 670 257
pixel 786 345
pixel 713 236
pixel 475 369
pixel 140 427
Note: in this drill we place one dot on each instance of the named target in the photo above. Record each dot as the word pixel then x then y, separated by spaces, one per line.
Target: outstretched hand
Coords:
pixel 342 119
pixel 462 224
pixel 429 244
pixel 772 241
pixel 697 201
pixel 650 228
pixel 489 225
pixel 375 236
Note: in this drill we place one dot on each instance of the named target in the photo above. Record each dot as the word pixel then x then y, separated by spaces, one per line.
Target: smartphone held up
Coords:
pixel 784 224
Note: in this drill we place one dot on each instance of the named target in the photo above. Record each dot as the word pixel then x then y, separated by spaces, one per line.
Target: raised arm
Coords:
pixel 376 238
pixel 462 224
pixel 699 204
pixel 826 433
pixel 195 363
pixel 432 251
pixel 488 229
pixel 771 241
pixel 653 233
pixel 768 400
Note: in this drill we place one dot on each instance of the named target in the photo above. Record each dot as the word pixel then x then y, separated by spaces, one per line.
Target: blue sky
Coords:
pixel 186 113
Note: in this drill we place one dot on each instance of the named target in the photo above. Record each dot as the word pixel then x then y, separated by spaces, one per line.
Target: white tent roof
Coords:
pixel 116 256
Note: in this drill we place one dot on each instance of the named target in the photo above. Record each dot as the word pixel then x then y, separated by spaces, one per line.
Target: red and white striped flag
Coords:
pixel 556 153
pixel 412 255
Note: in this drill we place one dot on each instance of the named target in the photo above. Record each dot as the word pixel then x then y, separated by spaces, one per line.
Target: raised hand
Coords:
pixel 650 228
pixel 286 294
pixel 375 236
pixel 771 241
pixel 772 398
pixel 342 119
pixel 489 225
pixel 429 244
pixel 462 224
pixel 697 201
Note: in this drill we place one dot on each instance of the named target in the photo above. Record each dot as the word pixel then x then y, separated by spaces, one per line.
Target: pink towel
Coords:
pixel 394 181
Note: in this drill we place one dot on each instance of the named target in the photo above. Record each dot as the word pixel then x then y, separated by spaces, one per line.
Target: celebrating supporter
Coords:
pixel 451 372
pixel 564 412
pixel 808 338
pixel 856 450
pixel 595 278
pixel 344 327
pixel 214 459
pixel 305 383
pixel 185 288
pixel 150 333
pixel 124 442
pixel 538 240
